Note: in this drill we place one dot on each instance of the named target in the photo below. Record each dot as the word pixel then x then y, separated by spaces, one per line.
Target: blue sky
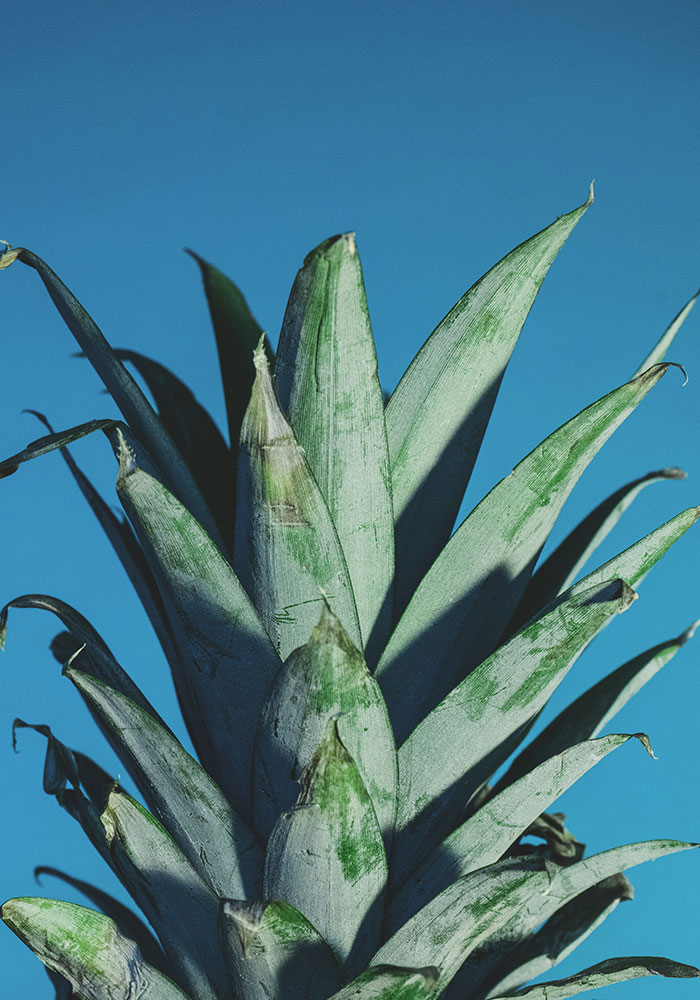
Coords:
pixel 444 135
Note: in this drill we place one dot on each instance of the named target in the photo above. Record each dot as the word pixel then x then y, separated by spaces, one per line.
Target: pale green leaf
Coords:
pixel 324 678
pixel 472 731
pixel 328 385
pixel 273 951
pixel 658 352
pixel 88 950
pixel 470 593
pixel 438 413
pixel 286 549
pixel 326 856
pixel 390 982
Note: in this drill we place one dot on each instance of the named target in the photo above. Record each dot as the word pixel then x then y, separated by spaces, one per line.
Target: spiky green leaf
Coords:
pixel 390 982
pixel 658 352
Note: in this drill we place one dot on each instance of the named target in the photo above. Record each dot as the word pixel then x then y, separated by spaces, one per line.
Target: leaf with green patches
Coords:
pixel 562 567
pixel 390 982
pixel 476 727
pixel 286 549
pixel 326 856
pixel 328 385
pixel 207 830
pixel 196 435
pixel 128 923
pixel 590 712
pixel 562 934
pixel 180 906
pixel 88 950
pixel 471 591
pixel 658 352
pixel 228 661
pixel 136 409
pixel 273 951
pixel 237 334
pixel 496 826
pixel 324 678
pixel 437 415
pixel 614 970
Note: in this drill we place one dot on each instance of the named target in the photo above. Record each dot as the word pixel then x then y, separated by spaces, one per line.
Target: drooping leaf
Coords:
pixel 179 905
pixel 562 567
pixel 476 727
pixel 136 409
pixel 88 950
pixel 614 970
pixel 286 549
pixel 227 658
pixel 485 837
pixel 273 951
pixel 328 385
pixel 469 594
pixel 325 677
pixel 438 413
pixel 562 933
pixel 197 437
pixel 128 923
pixel 180 793
pixel 49 443
pixel 326 856
pixel 390 982
pixel 590 712
pixel 237 334
pixel 658 352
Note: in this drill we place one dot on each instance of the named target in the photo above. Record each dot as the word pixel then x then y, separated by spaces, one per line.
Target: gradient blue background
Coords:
pixel 443 135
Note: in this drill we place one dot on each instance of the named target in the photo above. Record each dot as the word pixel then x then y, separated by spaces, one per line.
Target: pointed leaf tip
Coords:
pixel 8 255
pixel 591 195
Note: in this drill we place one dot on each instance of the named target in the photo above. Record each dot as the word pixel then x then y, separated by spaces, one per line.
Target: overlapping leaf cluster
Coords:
pixel 352 672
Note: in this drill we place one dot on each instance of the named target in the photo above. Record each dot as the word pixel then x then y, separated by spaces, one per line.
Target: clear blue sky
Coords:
pixel 443 134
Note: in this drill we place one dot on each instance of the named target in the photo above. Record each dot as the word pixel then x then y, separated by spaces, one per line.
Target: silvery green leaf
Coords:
pixel 468 596
pixel 590 712
pixel 214 839
pixel 324 678
pixel 562 567
pixel 658 352
pixel 326 856
pixel 273 951
pixel 390 982
pixel 485 837
pixel 475 728
pixel 562 934
pixel 614 970
pixel 136 409
pixel 286 549
pixel 227 659
pixel 88 950
pixel 328 385
pixel 438 413
pixel 180 906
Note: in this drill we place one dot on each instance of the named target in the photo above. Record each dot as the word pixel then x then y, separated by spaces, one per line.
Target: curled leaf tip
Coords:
pixel 673 472
pixel 644 740
pixel 8 255
pixel 674 364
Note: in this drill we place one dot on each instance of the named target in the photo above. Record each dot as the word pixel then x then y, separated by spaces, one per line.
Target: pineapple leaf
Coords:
pixel 326 856
pixel 87 949
pixel 165 886
pixel 128 923
pixel 227 659
pixel 562 567
pixel 135 408
pixel 614 970
pixel 49 443
pixel 321 679
pixel 197 437
pixel 471 591
pixel 476 727
pixel 328 385
pixel 213 838
pixel 286 549
pixel 390 982
pixel 562 934
pixel 273 951
pixel 437 415
pixel 590 712
pixel 483 838
pixel 658 352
